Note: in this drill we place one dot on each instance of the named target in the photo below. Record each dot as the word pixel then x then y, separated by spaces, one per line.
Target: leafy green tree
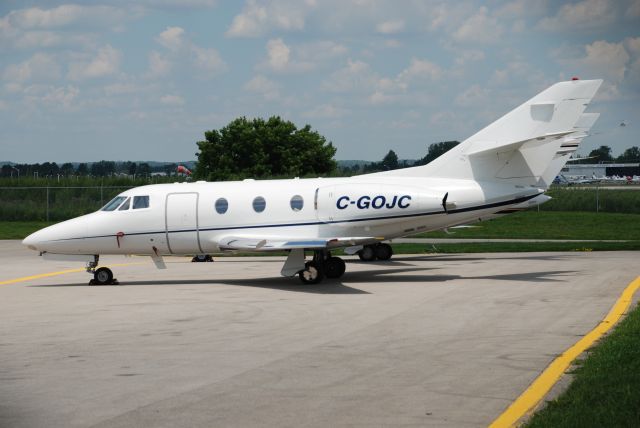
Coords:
pixel 143 169
pixel 103 168
pixel 67 168
pixel 263 148
pixel 601 154
pixel 83 169
pixel 632 154
pixel 436 150
pixel 390 161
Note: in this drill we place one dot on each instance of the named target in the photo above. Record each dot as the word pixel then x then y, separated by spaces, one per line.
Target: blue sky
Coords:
pixel 143 80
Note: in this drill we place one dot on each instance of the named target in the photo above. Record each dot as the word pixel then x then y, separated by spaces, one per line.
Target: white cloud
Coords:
pixel 263 86
pixel 479 28
pixel 62 96
pixel 472 96
pixel 208 60
pixel 257 19
pixel 62 16
pixel 278 54
pixel 390 27
pixel 172 100
pixel 283 58
pixel 105 63
pixel 159 65
pixel 420 69
pixel 171 38
pixel 356 76
pixel 40 66
pixel 522 8
pixel 606 59
pixel 325 111
pixel 181 50
pixel 582 15
pixel 38 28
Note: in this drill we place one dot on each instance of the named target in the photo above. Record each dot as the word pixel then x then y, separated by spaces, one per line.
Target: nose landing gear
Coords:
pixel 102 275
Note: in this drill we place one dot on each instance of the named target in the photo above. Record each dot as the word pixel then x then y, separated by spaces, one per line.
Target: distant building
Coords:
pixel 601 169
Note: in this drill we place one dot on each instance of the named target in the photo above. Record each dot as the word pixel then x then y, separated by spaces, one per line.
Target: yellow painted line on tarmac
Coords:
pixel 61 272
pixel 527 401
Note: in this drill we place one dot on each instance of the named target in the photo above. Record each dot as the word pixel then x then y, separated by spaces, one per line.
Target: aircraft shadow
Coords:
pixel 339 286
pixel 328 286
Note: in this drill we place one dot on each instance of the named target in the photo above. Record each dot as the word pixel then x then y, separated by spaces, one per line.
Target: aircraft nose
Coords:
pixel 33 241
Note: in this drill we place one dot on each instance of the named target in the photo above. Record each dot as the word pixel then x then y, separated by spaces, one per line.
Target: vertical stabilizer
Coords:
pixel 520 146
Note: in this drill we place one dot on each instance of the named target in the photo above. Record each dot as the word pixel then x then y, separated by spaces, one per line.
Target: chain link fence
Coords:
pixel 57 203
pixel 53 203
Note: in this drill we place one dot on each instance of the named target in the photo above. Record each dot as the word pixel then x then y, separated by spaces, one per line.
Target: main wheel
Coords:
pixel 103 276
pixel 312 273
pixel 383 251
pixel 334 267
pixel 367 254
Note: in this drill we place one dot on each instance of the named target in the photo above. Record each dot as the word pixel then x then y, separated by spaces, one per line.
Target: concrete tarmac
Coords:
pixel 431 340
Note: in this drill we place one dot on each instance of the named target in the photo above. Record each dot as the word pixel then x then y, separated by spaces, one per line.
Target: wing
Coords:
pixel 278 243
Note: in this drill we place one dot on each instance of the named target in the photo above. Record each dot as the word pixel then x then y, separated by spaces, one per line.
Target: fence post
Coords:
pixel 597 198
pixel 47 203
pixel 101 197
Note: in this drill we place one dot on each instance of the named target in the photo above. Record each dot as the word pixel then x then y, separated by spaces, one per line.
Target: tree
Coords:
pixel 83 169
pixel 436 150
pixel 632 154
pixel 258 148
pixel 601 154
pixel 144 169
pixel 103 168
pixel 390 161
pixel 67 168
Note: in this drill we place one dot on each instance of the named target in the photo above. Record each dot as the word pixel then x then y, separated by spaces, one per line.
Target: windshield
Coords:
pixel 114 203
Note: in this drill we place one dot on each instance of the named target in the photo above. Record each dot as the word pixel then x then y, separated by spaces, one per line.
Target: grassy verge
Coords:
pixel 510 247
pixel 606 389
pixel 552 225
pixel 20 229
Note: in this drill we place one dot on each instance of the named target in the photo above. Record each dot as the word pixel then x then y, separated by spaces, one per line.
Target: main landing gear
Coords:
pixel 373 252
pixel 102 275
pixel 322 265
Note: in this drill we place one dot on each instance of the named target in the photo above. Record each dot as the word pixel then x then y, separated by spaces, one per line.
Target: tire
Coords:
pixel 367 254
pixel 312 273
pixel 103 276
pixel 383 252
pixel 334 267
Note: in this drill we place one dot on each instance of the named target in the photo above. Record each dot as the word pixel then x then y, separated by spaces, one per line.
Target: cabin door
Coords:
pixel 181 219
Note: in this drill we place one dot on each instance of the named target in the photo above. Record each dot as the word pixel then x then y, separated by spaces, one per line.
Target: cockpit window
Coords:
pixel 114 203
pixel 125 205
pixel 140 202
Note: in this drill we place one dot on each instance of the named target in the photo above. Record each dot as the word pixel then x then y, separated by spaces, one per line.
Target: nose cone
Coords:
pixel 32 241
pixel 57 238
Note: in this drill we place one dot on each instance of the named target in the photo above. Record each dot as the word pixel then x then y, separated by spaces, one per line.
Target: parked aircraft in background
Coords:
pixel 504 167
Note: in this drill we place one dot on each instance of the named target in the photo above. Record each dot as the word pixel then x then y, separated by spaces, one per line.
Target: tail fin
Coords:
pixel 521 145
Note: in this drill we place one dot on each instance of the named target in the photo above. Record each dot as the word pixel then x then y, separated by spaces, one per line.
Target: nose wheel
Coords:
pixel 102 275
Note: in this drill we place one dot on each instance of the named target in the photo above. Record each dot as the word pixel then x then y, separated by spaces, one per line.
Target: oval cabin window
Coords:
pixel 259 204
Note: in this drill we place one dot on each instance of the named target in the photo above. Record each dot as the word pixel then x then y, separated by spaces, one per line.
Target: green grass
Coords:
pixel 551 225
pixel 20 229
pixel 514 247
pixel 606 389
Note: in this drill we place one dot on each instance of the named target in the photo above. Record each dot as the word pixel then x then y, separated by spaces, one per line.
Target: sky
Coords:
pixel 143 80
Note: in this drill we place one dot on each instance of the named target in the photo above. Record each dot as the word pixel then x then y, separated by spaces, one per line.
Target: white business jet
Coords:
pixel 505 167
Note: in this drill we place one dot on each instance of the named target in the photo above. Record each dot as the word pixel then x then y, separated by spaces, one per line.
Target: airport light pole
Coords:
pixel 13 168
